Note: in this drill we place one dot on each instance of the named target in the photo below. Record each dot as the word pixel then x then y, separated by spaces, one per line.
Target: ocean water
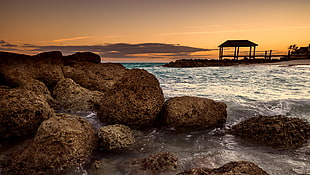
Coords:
pixel 248 91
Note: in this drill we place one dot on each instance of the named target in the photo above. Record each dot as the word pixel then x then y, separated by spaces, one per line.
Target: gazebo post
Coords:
pixel 254 52
pixel 238 53
pixel 250 52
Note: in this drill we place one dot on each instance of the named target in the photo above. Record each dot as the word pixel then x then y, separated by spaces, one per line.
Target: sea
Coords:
pixel 248 91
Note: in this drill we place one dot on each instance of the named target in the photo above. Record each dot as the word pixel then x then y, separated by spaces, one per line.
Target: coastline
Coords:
pixel 290 62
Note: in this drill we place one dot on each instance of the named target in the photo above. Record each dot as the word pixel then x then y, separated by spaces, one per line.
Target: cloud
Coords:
pixel 119 50
pixel 6 44
pixel 71 39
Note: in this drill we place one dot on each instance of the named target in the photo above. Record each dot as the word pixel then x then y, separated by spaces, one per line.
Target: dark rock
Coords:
pixel 21 112
pixel 135 100
pixel 63 141
pixel 232 168
pixel 154 164
pixel 95 77
pixel 72 97
pixel 116 137
pixel 275 131
pixel 193 113
pixel 15 69
pixel 82 57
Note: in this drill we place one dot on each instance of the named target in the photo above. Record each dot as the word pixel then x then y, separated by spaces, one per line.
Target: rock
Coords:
pixel 39 89
pixel 116 137
pixel 275 131
pixel 82 57
pixel 95 77
pixel 21 112
pixel 16 68
pixel 72 97
pixel 154 164
pixel 135 100
pixel 193 113
pixel 232 168
pixel 63 141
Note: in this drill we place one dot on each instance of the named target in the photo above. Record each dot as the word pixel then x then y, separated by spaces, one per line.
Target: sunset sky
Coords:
pixel 172 28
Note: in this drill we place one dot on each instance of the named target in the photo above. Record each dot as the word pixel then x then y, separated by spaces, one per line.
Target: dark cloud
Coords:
pixel 120 50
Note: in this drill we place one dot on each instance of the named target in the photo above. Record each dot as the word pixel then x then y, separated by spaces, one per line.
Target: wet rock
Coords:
pixel 82 57
pixel 232 168
pixel 154 164
pixel 135 100
pixel 63 141
pixel 116 137
pixel 95 77
pixel 21 112
pixel 193 113
pixel 17 68
pixel 72 97
pixel 275 131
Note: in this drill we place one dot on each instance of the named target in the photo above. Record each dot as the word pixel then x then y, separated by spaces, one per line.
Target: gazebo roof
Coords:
pixel 238 43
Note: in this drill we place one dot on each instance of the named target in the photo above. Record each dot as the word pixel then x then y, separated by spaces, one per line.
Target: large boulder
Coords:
pixel 135 100
pixel 21 112
pixel 63 141
pixel 16 68
pixel 71 97
pixel 275 131
pixel 116 137
pixel 161 163
pixel 95 77
pixel 193 113
pixel 231 168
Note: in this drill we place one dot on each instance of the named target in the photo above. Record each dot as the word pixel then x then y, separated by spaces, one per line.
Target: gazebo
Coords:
pixel 237 44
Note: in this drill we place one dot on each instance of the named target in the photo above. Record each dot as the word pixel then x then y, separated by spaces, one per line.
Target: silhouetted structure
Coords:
pixel 237 44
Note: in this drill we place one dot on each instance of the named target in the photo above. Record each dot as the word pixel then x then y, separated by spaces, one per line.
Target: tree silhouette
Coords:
pixel 293 48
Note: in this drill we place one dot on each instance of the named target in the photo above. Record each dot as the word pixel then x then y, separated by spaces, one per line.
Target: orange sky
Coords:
pixel 273 24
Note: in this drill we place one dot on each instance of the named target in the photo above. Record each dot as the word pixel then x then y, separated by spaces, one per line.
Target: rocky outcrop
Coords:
pixel 95 77
pixel 15 69
pixel 135 100
pixel 61 142
pixel 21 112
pixel 232 168
pixel 154 164
pixel 82 57
pixel 193 113
pixel 116 137
pixel 72 97
pixel 275 131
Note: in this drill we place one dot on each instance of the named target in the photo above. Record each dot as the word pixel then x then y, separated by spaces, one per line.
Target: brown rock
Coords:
pixel 232 168
pixel 275 131
pixel 72 97
pixel 193 113
pixel 21 112
pixel 95 77
pixel 16 68
pixel 63 141
pixel 82 57
pixel 135 100
pixel 154 164
pixel 116 137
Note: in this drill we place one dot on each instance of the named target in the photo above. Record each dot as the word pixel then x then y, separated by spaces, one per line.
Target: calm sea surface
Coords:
pixel 248 91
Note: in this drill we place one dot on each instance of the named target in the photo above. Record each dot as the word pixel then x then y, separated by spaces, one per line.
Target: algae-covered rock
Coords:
pixel 116 137
pixel 193 113
pixel 161 163
pixel 21 112
pixel 63 141
pixel 231 168
pixel 135 100
pixel 276 131
pixel 71 97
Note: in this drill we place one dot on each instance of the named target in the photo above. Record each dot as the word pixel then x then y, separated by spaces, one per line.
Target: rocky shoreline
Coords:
pixel 32 88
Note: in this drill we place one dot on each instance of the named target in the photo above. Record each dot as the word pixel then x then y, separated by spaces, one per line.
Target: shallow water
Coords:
pixel 248 91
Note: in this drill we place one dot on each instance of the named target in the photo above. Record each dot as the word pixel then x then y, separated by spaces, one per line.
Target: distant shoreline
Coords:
pixel 220 63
